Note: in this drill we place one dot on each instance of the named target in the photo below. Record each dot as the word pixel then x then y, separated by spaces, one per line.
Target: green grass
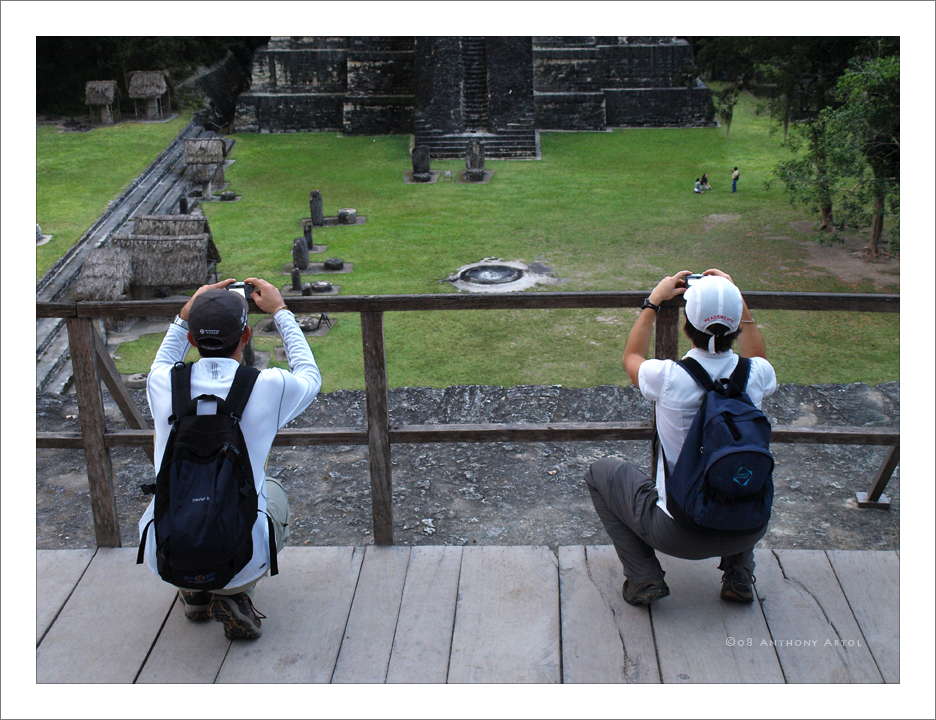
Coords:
pixel 607 211
pixel 78 174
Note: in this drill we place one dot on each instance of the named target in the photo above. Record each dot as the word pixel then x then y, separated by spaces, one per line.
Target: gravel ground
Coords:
pixel 498 493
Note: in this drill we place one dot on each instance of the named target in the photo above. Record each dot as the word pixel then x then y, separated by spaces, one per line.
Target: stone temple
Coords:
pixel 448 90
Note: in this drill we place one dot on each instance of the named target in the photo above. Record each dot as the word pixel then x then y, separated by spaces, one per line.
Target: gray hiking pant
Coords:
pixel 626 501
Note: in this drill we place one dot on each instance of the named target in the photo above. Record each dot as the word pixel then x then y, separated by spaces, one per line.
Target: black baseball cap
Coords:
pixel 217 319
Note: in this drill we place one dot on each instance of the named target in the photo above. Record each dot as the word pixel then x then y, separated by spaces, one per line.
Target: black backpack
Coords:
pixel 206 501
pixel 723 478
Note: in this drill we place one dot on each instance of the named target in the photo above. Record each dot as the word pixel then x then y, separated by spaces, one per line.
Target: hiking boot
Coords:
pixel 738 586
pixel 644 593
pixel 195 603
pixel 241 619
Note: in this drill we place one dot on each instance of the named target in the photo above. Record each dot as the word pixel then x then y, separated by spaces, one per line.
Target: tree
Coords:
pixel 725 101
pixel 807 176
pixel 869 120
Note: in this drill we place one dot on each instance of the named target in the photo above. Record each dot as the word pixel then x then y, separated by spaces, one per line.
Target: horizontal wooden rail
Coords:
pixel 497 432
pixel 92 364
pixel 850 302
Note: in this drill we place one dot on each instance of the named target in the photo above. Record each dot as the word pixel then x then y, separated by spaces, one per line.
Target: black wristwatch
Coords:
pixel 647 304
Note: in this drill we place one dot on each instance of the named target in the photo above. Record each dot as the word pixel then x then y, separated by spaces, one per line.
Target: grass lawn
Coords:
pixel 79 173
pixel 607 211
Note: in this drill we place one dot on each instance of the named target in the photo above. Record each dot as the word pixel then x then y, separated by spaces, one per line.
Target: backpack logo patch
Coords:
pixel 742 476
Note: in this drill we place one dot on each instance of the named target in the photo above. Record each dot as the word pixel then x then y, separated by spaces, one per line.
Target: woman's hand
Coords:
pixel 669 287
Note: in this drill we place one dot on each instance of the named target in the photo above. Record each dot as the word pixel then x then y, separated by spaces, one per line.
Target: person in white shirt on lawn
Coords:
pixel 632 506
pixel 214 320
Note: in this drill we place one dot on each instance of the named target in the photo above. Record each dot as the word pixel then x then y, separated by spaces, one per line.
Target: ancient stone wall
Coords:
pixel 358 85
pixel 403 84
pixel 591 83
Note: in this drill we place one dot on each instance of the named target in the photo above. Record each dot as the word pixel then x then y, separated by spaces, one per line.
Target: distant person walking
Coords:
pixel 735 175
pixel 705 182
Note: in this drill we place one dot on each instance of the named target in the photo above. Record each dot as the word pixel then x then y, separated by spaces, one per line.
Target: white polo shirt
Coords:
pixel 678 398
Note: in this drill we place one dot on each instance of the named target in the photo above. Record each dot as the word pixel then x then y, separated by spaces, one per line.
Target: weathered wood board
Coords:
pixel 871 581
pixel 423 637
pixel 811 626
pixel 108 624
pixel 307 607
pixel 368 638
pixel 703 639
pixel 186 651
pixel 57 572
pixel 507 617
pixel 604 640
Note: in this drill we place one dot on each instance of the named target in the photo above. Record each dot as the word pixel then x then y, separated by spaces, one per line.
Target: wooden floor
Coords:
pixel 438 614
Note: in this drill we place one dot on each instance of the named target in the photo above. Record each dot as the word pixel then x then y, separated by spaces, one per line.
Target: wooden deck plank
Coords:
pixel 697 632
pixel 307 608
pixel 57 572
pixel 811 625
pixel 871 582
pixel 186 651
pixel 507 617
pixel 368 638
pixel 604 640
pixel 108 624
pixel 423 638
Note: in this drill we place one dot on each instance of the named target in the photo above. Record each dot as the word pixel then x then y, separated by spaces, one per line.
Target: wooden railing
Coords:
pixel 91 364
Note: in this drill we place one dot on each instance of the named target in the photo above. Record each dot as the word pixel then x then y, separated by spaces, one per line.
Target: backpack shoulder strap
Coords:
pixel 181 382
pixel 239 394
pixel 741 373
pixel 698 373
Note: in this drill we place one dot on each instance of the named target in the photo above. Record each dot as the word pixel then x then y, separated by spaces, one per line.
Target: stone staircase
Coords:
pixel 515 140
pixel 156 191
pixel 475 91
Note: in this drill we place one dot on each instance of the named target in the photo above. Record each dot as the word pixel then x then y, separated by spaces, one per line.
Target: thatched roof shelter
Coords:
pixel 105 275
pixel 169 261
pixel 204 151
pixel 170 225
pixel 144 84
pixel 101 92
pixel 169 250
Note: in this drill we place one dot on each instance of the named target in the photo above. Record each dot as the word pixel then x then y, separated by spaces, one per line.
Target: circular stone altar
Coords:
pixel 493 275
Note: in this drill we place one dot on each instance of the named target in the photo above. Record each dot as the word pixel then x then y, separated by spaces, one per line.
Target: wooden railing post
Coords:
pixel 81 345
pixel 665 347
pixel 378 426
pixel 876 498
pixel 667 332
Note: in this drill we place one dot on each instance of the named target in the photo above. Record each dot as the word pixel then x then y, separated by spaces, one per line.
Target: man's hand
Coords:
pixel 669 287
pixel 184 312
pixel 266 295
pixel 719 273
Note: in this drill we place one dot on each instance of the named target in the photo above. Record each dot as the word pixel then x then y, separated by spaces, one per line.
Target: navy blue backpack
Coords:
pixel 722 481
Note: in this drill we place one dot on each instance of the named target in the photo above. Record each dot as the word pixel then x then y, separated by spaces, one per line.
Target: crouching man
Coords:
pixel 216 522
pixel 632 507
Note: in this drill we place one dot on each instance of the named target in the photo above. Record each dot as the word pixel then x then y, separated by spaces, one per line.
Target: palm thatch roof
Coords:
pixel 146 84
pixel 202 151
pixel 100 92
pixel 170 225
pixel 172 261
pixel 105 275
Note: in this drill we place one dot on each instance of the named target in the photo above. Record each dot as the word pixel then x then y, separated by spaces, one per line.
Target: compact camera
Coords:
pixel 245 289
pixel 690 280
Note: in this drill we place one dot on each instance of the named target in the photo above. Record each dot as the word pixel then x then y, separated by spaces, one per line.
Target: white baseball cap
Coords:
pixel 713 300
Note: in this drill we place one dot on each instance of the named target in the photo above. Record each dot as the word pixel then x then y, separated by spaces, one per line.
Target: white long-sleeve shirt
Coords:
pixel 277 397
